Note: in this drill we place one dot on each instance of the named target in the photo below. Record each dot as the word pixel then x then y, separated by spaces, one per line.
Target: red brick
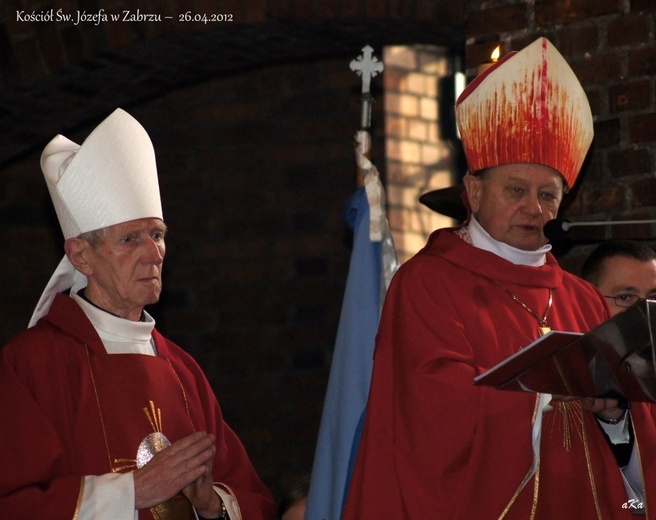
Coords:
pixel 642 128
pixel 577 40
pixel 642 61
pixel 628 31
pixel 601 199
pixel 629 161
pixel 629 96
pixel 643 192
pixel 555 12
pixel 592 170
pixel 598 68
pixel 597 98
pixel 502 19
pixel 394 79
pixel 607 132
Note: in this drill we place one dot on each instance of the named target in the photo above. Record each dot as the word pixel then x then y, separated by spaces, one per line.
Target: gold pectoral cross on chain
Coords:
pixel 543 328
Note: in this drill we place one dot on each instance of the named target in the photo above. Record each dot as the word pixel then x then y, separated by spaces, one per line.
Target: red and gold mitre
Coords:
pixel 529 107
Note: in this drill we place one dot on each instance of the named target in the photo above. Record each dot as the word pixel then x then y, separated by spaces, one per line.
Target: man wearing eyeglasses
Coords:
pixel 624 271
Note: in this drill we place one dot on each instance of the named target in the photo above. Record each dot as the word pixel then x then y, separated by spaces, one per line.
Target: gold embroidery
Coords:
pixel 536 409
pixel 184 395
pixel 151 444
pixel 95 391
pixel 176 508
pixel 571 420
pixel 519 490
pixel 530 473
pixel 131 464
pixel 590 472
pixel 154 417
pixel 543 328
pixel 563 379
pixel 76 515
pixel 536 487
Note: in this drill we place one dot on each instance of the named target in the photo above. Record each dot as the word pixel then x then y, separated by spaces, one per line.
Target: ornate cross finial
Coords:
pixel 367 66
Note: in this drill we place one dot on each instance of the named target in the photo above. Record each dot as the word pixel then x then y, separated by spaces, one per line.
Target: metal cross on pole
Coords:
pixel 366 66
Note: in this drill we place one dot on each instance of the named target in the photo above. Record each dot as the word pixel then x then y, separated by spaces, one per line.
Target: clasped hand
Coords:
pixel 184 467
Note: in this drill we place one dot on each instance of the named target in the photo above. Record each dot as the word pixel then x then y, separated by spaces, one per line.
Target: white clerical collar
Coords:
pixel 120 336
pixel 482 239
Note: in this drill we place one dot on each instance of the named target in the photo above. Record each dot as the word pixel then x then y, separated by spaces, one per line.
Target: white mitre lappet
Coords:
pixel 110 179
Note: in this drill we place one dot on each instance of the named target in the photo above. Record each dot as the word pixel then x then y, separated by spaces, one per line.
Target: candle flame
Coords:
pixel 496 54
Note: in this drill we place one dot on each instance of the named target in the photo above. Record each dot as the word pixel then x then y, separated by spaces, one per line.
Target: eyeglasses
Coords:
pixel 626 300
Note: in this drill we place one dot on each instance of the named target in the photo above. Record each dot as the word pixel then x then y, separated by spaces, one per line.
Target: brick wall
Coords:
pixel 420 157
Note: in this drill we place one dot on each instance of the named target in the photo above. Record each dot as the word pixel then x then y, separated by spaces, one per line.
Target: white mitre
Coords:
pixel 110 179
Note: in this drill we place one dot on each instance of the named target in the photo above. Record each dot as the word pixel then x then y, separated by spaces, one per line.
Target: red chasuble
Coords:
pixel 436 446
pixel 69 409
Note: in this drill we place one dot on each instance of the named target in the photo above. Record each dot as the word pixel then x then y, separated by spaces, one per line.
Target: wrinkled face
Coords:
pixel 125 270
pixel 513 202
pixel 624 279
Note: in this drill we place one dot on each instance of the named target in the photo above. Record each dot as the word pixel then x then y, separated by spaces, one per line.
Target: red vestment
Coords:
pixel 69 409
pixel 436 446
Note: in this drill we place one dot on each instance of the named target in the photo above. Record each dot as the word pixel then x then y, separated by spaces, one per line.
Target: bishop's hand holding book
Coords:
pixel 614 360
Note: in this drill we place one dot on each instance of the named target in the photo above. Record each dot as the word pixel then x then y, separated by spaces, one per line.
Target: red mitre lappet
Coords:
pixel 529 107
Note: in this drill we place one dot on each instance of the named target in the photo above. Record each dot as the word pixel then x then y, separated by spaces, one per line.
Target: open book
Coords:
pixel 615 359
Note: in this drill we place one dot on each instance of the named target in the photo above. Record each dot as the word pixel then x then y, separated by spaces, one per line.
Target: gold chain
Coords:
pixel 542 320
